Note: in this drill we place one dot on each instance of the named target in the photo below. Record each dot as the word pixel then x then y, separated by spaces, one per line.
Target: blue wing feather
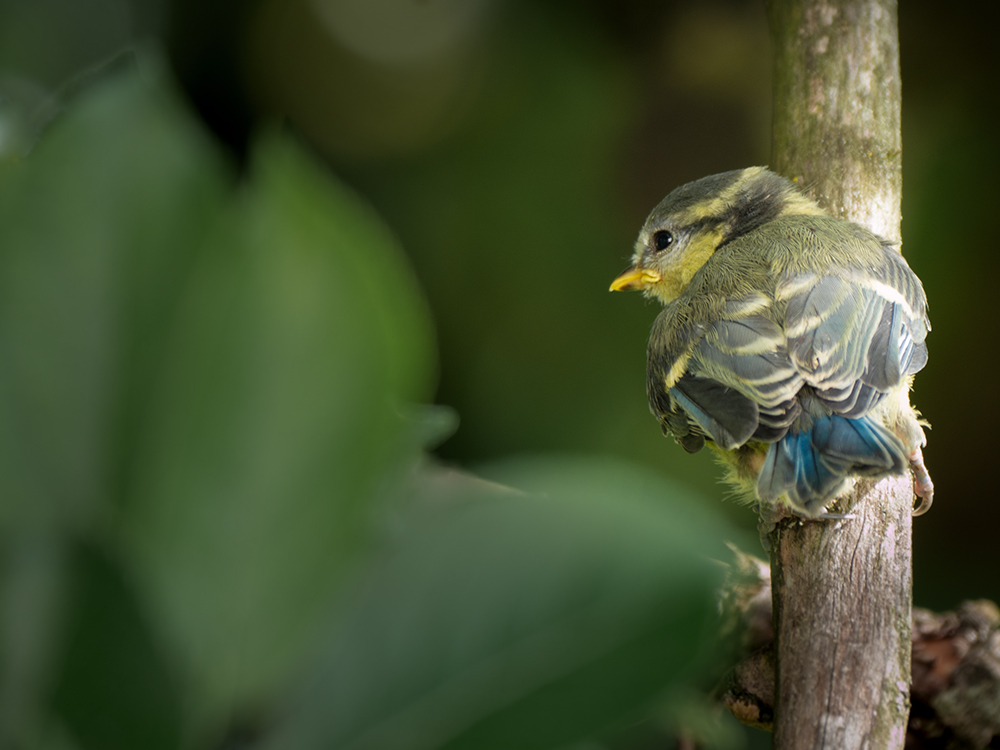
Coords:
pixel 802 366
pixel 810 466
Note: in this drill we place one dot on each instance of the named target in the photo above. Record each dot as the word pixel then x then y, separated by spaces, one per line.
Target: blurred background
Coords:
pixel 514 148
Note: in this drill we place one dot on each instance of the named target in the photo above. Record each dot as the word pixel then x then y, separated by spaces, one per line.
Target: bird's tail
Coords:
pixel 812 465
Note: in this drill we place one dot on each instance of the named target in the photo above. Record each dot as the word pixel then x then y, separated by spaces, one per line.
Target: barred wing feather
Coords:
pixel 849 336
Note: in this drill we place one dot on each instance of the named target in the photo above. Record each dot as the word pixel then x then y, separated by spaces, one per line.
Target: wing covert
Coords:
pixel 737 382
pixel 853 336
pixel 732 371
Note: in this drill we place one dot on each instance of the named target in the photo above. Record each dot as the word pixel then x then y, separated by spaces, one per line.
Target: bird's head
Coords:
pixel 696 219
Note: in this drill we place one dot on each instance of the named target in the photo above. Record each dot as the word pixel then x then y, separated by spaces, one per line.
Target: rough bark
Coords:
pixel 837 100
pixel 842 589
pixel 955 664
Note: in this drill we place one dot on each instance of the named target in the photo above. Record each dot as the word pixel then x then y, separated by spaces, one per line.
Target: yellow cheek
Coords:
pixel 678 275
pixel 697 253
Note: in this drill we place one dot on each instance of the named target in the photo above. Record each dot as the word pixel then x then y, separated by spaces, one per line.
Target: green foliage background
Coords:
pixel 232 282
pixel 218 518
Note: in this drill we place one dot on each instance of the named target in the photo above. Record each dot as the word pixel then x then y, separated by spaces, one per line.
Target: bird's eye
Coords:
pixel 662 240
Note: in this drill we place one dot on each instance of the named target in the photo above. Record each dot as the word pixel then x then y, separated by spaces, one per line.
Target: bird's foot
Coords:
pixel 922 484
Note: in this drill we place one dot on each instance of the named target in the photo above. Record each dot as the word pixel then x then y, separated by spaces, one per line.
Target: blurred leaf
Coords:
pixel 51 40
pixel 276 424
pixel 33 588
pixel 433 423
pixel 23 106
pixel 113 686
pixel 702 719
pixel 215 385
pixel 519 621
pixel 98 228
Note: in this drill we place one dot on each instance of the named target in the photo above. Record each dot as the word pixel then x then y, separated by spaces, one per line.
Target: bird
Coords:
pixel 787 342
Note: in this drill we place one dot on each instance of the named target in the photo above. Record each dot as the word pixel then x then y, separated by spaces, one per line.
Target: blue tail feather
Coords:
pixel 811 466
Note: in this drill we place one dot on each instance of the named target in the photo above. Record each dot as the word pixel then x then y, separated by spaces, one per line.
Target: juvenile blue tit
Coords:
pixel 788 339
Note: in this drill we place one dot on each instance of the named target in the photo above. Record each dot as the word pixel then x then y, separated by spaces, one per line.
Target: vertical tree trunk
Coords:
pixel 842 589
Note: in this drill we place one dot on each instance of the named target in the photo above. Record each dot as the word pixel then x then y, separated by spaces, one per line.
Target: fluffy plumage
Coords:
pixel 788 340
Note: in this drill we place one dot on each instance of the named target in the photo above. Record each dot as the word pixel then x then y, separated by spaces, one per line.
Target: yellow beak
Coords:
pixel 634 278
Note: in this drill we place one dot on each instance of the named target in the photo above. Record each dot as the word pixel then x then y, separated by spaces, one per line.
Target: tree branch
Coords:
pixel 842 590
pixel 955 664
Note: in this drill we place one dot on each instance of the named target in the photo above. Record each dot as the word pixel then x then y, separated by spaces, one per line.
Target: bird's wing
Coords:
pixel 855 334
pixel 850 334
pixel 729 379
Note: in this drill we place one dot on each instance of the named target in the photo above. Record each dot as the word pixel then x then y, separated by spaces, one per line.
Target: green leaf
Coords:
pixel 212 386
pixel 98 228
pixel 519 620
pixel 33 592
pixel 277 423
pixel 113 688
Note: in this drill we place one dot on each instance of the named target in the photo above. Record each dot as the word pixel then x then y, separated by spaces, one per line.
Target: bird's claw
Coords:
pixel 922 484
